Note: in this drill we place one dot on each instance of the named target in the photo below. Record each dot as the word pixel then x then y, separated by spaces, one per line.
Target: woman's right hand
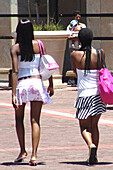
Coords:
pixel 14 102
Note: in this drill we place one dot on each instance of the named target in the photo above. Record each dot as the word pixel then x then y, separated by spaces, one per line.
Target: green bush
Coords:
pixel 46 27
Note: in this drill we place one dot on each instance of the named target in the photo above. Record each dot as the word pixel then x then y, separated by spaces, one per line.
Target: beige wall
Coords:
pixel 5 29
pixel 69 7
pixel 102 26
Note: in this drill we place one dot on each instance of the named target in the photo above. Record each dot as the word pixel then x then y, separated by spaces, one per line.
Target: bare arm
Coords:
pixel 14 75
pixel 73 62
pixel 104 58
pixel 50 87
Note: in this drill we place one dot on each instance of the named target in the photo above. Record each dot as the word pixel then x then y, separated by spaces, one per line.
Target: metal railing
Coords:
pixel 60 16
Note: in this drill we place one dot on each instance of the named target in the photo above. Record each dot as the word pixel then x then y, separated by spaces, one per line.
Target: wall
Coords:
pixel 69 7
pixel 102 26
pixel 5 29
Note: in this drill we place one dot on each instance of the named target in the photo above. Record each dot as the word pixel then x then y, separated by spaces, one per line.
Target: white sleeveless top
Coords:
pixel 87 85
pixel 28 68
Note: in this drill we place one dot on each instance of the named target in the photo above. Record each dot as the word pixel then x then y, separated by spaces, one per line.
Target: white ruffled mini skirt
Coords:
pixel 31 89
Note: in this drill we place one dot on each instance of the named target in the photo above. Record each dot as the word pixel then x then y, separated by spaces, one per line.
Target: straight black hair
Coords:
pixel 86 36
pixel 25 36
pixel 76 13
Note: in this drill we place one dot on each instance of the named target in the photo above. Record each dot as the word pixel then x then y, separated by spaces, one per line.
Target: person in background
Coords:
pixel 89 104
pixel 74 43
pixel 74 30
pixel 27 86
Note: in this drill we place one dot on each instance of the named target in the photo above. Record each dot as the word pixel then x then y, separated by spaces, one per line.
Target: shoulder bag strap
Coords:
pixel 42 51
pixel 102 56
pixel 98 59
pixel 41 47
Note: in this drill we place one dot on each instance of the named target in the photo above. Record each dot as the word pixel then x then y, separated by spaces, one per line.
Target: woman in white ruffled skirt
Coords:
pixel 27 86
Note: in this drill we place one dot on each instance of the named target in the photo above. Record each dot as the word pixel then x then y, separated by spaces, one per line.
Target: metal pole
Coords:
pixel 29 9
pixel 48 12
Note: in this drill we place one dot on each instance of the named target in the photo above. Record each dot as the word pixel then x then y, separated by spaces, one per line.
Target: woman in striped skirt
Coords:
pixel 89 104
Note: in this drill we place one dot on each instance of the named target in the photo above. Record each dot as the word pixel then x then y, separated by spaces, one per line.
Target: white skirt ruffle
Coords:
pixel 31 89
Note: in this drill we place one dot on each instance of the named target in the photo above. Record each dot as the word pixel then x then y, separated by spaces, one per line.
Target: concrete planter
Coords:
pixel 55 44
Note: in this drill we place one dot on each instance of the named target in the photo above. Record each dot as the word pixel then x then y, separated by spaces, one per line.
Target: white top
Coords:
pixel 87 84
pixel 76 43
pixel 79 25
pixel 28 68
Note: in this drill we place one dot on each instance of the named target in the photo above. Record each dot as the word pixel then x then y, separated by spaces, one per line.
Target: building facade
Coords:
pixel 92 15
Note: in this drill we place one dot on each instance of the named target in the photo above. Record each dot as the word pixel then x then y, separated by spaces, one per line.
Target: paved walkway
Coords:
pixel 61 145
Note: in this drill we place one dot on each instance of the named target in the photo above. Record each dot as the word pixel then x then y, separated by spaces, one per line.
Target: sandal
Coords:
pixel 21 158
pixel 93 158
pixel 33 162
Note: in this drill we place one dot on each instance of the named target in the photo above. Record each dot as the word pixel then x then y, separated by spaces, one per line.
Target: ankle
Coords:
pixel 92 146
pixel 23 152
pixel 34 155
pixel 33 158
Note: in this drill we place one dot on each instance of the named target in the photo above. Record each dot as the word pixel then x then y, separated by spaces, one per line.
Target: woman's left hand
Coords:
pixel 50 90
pixel 14 102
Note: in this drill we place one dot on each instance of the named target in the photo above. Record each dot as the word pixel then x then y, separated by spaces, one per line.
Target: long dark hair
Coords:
pixel 86 36
pixel 25 36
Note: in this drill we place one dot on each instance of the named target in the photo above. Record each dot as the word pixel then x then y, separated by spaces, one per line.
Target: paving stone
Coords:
pixel 61 145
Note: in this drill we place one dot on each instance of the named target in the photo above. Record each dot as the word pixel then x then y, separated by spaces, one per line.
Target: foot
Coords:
pixel 92 157
pixel 21 157
pixel 33 161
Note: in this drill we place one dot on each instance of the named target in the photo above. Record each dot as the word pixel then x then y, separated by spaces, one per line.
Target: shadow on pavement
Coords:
pixel 110 108
pixel 19 163
pixel 86 163
pixel 5 88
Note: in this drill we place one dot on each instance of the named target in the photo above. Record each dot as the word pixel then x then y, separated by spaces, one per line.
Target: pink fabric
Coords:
pixel 31 89
pixel 106 86
pixel 41 47
pixel 52 66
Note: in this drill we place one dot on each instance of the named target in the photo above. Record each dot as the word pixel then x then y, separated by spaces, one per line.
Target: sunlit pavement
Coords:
pixel 61 145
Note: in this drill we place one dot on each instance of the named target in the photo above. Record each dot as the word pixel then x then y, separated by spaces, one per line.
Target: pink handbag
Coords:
pixel 105 82
pixel 47 64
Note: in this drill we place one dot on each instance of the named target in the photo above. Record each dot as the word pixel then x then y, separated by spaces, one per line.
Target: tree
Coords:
pixel 37 2
pixel 29 8
pixel 54 15
pixel 48 12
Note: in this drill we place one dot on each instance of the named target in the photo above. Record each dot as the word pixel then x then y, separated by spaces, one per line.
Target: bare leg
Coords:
pixel 85 127
pixel 90 133
pixel 19 116
pixel 35 123
pixel 95 131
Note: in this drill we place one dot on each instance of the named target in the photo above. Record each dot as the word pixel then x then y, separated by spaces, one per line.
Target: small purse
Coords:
pixel 105 81
pixel 47 64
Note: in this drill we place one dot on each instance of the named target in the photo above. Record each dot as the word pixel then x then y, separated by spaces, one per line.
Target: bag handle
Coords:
pixel 41 47
pixel 102 56
pixel 98 59
pixel 42 51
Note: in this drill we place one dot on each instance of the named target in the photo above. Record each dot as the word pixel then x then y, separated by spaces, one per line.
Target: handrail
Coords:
pixel 60 15
pixel 95 38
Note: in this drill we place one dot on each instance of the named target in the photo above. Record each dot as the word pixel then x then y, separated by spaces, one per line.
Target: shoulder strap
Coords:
pixel 102 56
pixel 42 51
pixel 41 47
pixel 98 59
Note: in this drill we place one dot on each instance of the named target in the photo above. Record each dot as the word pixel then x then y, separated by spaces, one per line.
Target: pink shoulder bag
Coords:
pixel 105 81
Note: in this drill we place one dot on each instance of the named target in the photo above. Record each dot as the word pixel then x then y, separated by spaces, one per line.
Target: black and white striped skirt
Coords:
pixel 89 106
